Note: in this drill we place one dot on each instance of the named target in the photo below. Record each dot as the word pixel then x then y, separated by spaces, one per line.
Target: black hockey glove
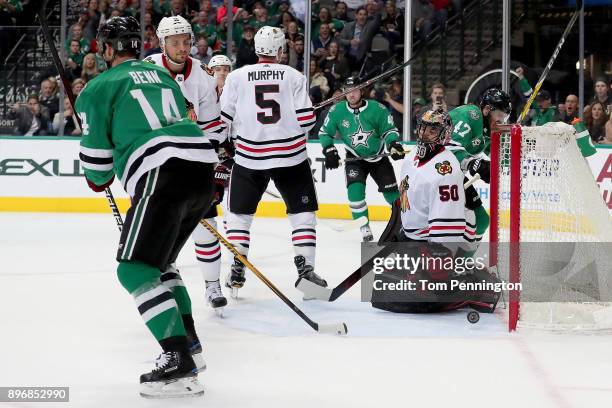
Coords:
pixel 472 198
pixel 222 175
pixel 332 158
pixel 482 167
pixel 397 150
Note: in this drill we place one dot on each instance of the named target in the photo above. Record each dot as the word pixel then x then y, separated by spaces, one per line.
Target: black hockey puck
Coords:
pixel 473 317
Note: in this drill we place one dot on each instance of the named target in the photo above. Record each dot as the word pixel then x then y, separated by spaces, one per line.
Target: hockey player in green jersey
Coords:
pixel 135 127
pixel 366 128
pixel 471 138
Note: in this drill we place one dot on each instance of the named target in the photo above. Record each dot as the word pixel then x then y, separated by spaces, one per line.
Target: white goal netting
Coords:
pixel 565 232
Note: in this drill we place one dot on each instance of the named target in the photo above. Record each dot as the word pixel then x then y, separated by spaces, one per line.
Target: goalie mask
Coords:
pixel 433 130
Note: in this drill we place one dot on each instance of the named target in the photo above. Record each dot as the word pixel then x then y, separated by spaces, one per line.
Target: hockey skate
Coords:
pixel 307 272
pixel 175 375
pixel 215 298
pixel 235 279
pixel 366 233
pixel 195 349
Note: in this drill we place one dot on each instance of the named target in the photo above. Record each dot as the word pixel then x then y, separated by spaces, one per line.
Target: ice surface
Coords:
pixel 66 321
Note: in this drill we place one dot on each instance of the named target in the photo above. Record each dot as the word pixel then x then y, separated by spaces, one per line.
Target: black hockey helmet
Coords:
pixel 123 33
pixel 440 122
pixel 497 100
pixel 349 82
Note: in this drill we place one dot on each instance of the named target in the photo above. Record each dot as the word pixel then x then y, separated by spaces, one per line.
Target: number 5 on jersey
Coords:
pixel 268 104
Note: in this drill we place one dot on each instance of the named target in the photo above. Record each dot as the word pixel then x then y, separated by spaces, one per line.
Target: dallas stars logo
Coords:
pixel 360 137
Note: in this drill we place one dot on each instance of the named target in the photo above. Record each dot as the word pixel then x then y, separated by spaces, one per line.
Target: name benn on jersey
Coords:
pixel 145 77
pixel 266 75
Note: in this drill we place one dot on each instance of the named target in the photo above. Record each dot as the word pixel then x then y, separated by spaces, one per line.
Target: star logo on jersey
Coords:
pixel 474 115
pixel 403 188
pixel 360 137
pixel 444 167
pixel 476 142
pixel 346 124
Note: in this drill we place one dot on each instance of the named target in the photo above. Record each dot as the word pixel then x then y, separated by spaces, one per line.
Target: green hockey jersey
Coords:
pixel 364 131
pixel 133 120
pixel 469 137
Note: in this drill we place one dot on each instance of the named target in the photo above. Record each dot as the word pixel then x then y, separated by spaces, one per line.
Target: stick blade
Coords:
pixel 334 328
pixel 312 290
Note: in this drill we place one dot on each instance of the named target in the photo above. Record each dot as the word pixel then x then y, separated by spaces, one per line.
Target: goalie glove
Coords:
pixel 332 158
pixel 482 167
pixel 397 150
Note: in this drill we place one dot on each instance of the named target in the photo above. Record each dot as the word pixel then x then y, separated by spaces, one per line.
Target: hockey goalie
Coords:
pixel 429 226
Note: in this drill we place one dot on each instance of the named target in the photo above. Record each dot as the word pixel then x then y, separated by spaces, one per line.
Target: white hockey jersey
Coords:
pixel 199 87
pixel 432 199
pixel 269 109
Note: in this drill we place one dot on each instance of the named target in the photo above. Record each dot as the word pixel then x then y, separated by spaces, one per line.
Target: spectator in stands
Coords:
pixel 542 109
pixel 71 125
pixel 321 43
pixel 246 50
pixel 154 47
pixel 341 12
pixel 438 98
pixel 206 5
pixel 418 106
pixel 569 110
pixel 261 19
pixel 31 119
pixel 356 37
pixel 9 11
pixel 422 18
pixel 293 32
pixel 74 60
pixel 440 12
pixel 371 7
pixel 76 34
pixel 222 12
pixel 325 17
pixel 394 98
pixel 177 8
pixel 393 25
pixel 90 28
pixel 296 54
pixel 77 86
pixel 149 8
pixel 602 93
pixel 285 19
pixel 201 51
pixel 335 64
pixel 200 25
pixel 595 120
pixel 319 86
pixel 90 67
pixel 48 97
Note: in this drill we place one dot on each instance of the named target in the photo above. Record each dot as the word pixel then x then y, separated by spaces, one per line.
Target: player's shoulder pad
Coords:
pixel 207 69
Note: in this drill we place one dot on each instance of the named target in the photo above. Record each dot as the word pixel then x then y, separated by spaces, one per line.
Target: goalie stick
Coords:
pixel 551 61
pixel 333 328
pixel 68 89
pixel 311 290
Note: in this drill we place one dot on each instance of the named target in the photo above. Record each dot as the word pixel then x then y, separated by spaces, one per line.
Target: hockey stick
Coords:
pixel 551 61
pixel 376 156
pixel 68 89
pixel 367 83
pixel 337 328
pixel 311 290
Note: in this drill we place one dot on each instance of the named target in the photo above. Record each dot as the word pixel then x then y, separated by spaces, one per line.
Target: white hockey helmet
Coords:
pixel 268 40
pixel 218 61
pixel 173 26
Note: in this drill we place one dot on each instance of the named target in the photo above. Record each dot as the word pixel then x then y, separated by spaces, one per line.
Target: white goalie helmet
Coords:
pixel 219 61
pixel 269 40
pixel 173 26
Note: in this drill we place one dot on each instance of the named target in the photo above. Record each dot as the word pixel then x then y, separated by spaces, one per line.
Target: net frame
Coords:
pixel 510 145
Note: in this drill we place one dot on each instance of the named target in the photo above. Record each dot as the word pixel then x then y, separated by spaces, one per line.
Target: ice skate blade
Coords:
pixel 198 359
pixel 235 292
pixel 182 388
pixel 219 311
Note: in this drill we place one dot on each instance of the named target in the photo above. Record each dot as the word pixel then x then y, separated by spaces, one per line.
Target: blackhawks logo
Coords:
pixel 191 115
pixel 444 167
pixel 207 69
pixel 403 188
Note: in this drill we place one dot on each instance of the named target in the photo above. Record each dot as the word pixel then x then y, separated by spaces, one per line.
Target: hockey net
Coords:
pixel 550 231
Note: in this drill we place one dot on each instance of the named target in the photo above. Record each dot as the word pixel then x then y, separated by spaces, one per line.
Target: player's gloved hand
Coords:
pixel 97 188
pixel 482 167
pixel 221 177
pixel 397 150
pixel 332 158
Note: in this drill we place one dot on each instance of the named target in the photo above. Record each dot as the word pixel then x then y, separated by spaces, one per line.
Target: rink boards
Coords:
pixel 43 174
